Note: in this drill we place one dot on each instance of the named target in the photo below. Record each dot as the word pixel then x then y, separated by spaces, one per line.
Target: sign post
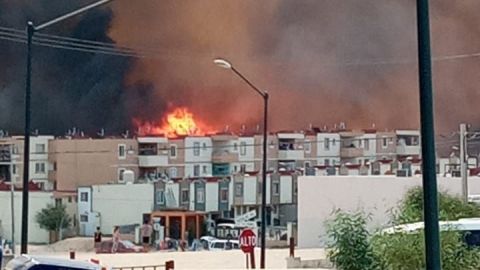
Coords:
pixel 248 241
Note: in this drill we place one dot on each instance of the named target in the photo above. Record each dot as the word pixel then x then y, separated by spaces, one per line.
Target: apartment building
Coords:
pixel 291 152
pixel 198 156
pixel 153 158
pixel 408 143
pixel 85 161
pixel 12 165
pixel 328 149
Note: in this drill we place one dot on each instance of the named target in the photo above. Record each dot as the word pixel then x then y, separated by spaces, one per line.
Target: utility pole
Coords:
pixel 463 161
pixel 12 199
pixel 429 174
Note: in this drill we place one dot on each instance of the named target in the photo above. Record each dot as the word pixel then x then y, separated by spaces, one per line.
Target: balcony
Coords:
pixel 408 150
pixel 223 156
pixel 153 161
pixel 290 154
pixel 351 152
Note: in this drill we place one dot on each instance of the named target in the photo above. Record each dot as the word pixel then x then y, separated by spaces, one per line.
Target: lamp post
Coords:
pixel 31 29
pixel 430 201
pixel 227 65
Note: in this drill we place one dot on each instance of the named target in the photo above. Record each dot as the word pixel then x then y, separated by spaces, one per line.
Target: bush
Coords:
pixel 52 218
pixel 450 207
pixel 352 247
pixel 349 248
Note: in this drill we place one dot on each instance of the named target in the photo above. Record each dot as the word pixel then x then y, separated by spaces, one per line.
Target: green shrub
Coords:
pixel 349 247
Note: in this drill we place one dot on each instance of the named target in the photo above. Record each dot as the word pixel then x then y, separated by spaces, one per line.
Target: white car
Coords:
pixel 26 262
pixel 221 244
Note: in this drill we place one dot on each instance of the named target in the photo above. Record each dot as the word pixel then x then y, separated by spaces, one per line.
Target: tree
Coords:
pixel 352 247
pixel 450 207
pixel 53 218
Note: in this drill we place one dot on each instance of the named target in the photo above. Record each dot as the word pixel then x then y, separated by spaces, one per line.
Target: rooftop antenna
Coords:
pixel 227 127
pixel 243 128
pixel 258 128
pixel 342 125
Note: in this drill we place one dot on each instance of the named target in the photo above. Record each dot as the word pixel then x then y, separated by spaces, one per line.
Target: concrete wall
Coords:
pixel 38 201
pixel 121 204
pixel 318 196
pixel 84 162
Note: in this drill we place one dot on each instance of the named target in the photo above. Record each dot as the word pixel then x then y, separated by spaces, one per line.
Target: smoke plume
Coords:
pixel 322 62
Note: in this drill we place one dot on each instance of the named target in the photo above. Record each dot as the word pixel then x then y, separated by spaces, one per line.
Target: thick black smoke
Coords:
pixel 69 88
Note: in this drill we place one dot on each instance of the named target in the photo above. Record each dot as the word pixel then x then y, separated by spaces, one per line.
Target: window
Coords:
pixel 243 168
pixel 204 145
pixel 160 196
pixel 235 168
pixel 224 195
pixel 204 169
pixel 308 146
pixel 276 188
pixel 172 172
pixel 384 142
pixel 83 218
pixel 84 196
pixel 243 148
pixel 200 195
pixel 327 162
pixel 58 202
pixel 326 144
pixel 69 199
pixel 14 169
pixel 184 195
pixel 238 189
pixel 334 142
pixel 121 151
pixel 196 149
pixel 39 148
pixel 40 167
pixel 307 164
pixel 196 170
pixel 366 144
pixel 235 146
pixel 120 175
pixel 173 151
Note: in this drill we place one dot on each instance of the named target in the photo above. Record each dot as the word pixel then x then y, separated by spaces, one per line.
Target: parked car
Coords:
pixel 26 262
pixel 124 246
pixel 221 244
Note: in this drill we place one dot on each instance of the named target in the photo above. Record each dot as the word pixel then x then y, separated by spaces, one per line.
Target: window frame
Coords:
pixel 119 147
pixel 196 149
pixel 173 148
pixel 183 198
pixel 158 196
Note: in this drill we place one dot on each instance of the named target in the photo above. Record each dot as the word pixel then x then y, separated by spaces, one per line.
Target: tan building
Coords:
pixel 84 162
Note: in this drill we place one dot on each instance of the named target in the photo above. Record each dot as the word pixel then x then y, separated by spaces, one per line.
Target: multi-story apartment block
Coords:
pixel 246 157
pixel 225 154
pixel 386 145
pixel 272 152
pixel 291 152
pixel 351 149
pixel 39 154
pixel 84 161
pixel 153 158
pixel 408 143
pixel 328 149
pixel 198 156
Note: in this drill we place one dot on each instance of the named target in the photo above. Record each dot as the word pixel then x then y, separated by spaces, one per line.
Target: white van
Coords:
pixel 221 244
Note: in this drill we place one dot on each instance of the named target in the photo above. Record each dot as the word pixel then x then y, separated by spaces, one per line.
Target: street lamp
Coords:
pixel 227 65
pixel 31 29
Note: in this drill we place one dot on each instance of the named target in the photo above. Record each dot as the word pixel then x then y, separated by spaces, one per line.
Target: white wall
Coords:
pixel 334 151
pixel 39 157
pixel 121 204
pixel 318 196
pixel 371 139
pixel 205 154
pixel 37 201
pixel 250 190
pixel 189 169
pixel 211 197
pixel 250 149
pixel 286 191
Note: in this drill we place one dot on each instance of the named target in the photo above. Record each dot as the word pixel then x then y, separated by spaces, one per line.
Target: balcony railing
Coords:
pixel 224 156
pixel 152 161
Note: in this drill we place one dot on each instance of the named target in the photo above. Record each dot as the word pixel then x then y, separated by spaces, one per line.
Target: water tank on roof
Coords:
pixel 128 176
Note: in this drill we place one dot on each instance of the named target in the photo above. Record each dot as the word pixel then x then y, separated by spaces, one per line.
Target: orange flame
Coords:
pixel 180 122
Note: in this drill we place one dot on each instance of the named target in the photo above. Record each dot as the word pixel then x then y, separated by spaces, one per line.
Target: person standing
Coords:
pixel 97 238
pixel 146 231
pixel 115 239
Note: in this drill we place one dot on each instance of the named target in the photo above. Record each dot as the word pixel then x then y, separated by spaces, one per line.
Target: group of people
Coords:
pixel 146 233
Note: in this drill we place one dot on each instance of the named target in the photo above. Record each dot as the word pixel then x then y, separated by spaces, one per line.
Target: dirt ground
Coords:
pixel 234 259
pixel 275 258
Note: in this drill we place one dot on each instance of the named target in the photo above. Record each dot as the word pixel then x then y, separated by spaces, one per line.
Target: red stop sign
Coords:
pixel 248 240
